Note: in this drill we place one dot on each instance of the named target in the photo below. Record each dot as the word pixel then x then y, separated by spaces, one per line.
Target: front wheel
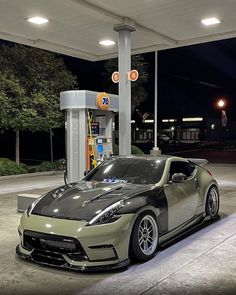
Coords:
pixel 212 203
pixel 144 237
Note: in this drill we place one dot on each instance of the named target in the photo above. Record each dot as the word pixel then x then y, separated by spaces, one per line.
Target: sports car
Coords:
pixel 124 208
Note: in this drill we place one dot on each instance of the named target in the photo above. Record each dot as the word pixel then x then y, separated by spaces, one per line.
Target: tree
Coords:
pixel 31 80
pixel 138 92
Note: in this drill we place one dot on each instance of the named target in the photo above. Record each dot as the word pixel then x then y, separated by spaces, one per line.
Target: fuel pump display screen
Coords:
pixel 95 128
pixel 100 148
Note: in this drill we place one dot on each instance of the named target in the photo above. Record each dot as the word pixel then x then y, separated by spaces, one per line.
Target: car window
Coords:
pixel 191 167
pixel 133 170
pixel 179 167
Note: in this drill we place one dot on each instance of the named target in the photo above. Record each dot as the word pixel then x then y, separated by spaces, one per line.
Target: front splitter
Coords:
pixel 117 266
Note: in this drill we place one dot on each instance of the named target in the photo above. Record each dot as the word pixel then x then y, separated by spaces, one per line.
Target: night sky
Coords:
pixel 190 79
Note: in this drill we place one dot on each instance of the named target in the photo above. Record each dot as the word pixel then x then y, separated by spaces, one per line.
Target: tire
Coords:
pixel 144 238
pixel 212 202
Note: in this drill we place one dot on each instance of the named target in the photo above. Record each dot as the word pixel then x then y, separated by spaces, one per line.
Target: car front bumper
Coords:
pixel 45 241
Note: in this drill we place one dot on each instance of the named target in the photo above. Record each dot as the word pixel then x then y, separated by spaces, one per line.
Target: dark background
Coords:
pixel 190 80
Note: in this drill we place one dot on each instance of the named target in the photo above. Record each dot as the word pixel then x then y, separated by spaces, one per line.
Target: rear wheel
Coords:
pixel 212 202
pixel 144 237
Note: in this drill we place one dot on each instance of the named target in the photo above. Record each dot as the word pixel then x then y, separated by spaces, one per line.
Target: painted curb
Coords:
pixel 35 174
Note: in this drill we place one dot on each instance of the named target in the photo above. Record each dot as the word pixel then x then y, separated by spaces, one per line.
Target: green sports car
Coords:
pixel 124 208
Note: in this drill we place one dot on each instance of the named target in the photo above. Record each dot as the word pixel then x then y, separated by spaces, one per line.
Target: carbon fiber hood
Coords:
pixel 83 200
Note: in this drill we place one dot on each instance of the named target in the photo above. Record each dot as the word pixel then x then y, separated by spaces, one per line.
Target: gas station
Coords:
pixel 99 30
pixel 79 28
pixel 83 141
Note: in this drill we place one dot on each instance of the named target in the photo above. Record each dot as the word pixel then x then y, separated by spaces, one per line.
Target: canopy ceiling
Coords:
pixel 76 26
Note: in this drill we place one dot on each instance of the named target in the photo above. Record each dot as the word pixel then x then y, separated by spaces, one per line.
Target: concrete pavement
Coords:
pixel 16 185
pixel 201 263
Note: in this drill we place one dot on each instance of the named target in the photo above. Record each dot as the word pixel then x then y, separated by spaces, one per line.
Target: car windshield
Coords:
pixel 132 170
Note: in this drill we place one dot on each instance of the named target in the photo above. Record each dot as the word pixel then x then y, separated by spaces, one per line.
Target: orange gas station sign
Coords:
pixel 133 75
pixel 115 77
pixel 103 101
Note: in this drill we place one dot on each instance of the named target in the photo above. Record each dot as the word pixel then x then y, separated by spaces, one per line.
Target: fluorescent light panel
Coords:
pixel 107 42
pixel 197 119
pixel 168 120
pixel 38 20
pixel 210 21
pixel 149 121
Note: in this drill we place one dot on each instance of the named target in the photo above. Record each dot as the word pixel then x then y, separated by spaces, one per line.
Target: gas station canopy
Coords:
pixel 75 27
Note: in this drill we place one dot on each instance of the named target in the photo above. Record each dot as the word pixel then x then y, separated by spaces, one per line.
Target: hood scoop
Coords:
pixel 103 194
pixel 82 200
pixel 73 187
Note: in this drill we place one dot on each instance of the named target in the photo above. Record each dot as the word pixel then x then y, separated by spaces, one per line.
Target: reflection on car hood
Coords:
pixel 83 200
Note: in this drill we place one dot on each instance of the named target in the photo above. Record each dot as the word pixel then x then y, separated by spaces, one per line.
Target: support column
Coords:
pixel 76 144
pixel 155 151
pixel 124 52
pixel 155 102
pixel 83 137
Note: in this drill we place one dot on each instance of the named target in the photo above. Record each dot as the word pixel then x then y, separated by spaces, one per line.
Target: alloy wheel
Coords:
pixel 213 202
pixel 147 235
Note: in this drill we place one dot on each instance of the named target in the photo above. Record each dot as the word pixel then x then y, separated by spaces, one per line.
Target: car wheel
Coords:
pixel 212 202
pixel 144 237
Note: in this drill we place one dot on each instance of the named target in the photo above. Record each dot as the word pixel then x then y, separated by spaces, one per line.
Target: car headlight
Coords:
pixel 107 215
pixel 31 207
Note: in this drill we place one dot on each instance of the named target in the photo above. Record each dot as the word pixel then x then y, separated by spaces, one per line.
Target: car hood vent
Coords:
pixel 82 200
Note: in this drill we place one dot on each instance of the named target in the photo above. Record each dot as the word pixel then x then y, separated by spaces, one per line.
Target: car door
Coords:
pixel 182 198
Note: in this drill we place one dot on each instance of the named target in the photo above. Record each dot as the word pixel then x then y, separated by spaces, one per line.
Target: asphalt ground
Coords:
pixel 201 262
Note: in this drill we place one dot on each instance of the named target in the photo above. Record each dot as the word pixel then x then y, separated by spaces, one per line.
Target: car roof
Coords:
pixel 146 157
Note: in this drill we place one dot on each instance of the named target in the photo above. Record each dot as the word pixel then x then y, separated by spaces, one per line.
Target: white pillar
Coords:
pixel 124 53
pixel 155 101
pixel 155 151
pixel 76 143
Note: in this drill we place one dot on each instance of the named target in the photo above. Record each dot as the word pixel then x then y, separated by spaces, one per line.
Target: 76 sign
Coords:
pixel 132 76
pixel 103 101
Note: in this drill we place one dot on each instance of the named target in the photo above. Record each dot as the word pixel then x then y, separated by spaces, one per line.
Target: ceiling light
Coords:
pixel 168 120
pixel 37 20
pixel 210 21
pixel 197 119
pixel 107 42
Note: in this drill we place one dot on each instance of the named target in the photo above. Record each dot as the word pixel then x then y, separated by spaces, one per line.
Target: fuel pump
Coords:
pixel 103 148
pixel 89 129
pixel 99 147
pixel 91 159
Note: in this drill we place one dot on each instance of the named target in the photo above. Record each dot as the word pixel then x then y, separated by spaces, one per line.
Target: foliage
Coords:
pixel 8 167
pixel 134 150
pixel 138 92
pixel 49 166
pixel 12 101
pixel 31 80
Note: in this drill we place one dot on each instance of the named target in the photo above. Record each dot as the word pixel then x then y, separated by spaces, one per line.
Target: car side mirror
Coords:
pixel 86 172
pixel 178 178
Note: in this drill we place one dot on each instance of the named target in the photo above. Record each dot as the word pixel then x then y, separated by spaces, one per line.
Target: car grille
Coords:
pixel 48 258
pixel 49 247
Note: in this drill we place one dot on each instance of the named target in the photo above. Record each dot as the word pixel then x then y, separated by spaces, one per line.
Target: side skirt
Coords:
pixel 183 229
